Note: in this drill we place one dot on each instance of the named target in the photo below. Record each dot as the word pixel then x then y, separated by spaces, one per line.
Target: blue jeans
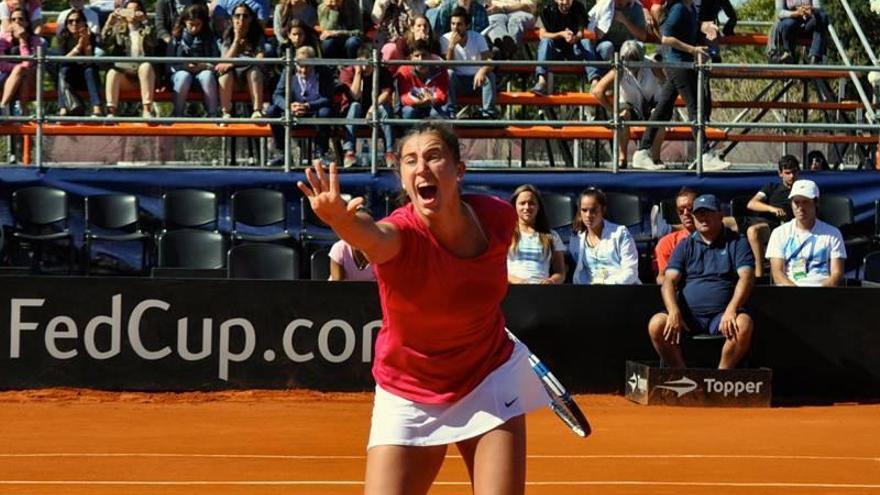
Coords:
pixel 465 85
pixel 598 52
pixel 341 47
pixel 817 26
pixel 182 80
pixel 678 82
pixel 559 50
pixel 356 111
pixel 424 112
pixel 71 76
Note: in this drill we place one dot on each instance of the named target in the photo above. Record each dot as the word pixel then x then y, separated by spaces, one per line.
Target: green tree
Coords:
pixel 869 22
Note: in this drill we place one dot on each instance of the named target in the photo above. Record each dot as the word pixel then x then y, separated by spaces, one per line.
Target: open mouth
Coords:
pixel 427 192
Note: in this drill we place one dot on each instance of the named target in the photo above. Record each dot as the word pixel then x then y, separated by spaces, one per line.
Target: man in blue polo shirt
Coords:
pixel 708 280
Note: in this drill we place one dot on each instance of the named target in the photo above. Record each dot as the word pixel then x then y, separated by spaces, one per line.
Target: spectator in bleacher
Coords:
pixel 90 16
pixel 653 10
pixel 420 31
pixel 772 206
pixel 561 33
pixel 817 162
pixel 342 26
pixel 536 254
pixel 393 20
pixel 708 281
pixel 806 251
pixel 33 9
pixel 310 92
pixel 222 10
pixel 710 30
pixel 639 88
pixel 298 34
pixel 129 33
pixel 347 263
pixel 684 207
pixel 289 10
pixel 613 22
pixel 603 252
pixel 802 18
pixel 192 37
pixel 679 31
pixel 423 88
pixel 356 83
pixel 462 43
pixel 242 39
pixel 508 22
pixel 475 11
pixel 77 40
pixel 17 77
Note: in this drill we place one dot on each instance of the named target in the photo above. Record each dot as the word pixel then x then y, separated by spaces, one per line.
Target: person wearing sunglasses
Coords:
pixel 90 16
pixel 17 77
pixel 33 9
pixel 128 33
pixel 684 207
pixel 77 40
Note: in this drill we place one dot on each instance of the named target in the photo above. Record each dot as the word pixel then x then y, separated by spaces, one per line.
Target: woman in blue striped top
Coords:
pixel 537 254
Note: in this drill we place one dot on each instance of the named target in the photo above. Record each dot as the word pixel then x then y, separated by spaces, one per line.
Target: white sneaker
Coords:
pixel 642 159
pixel 713 162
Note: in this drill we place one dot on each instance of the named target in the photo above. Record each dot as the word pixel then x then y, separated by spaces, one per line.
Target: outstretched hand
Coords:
pixel 324 196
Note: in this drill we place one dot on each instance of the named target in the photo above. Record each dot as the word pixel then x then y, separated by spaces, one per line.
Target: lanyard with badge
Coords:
pixel 597 275
pixel 800 266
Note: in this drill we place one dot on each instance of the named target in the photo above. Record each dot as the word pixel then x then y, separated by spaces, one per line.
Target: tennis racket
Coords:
pixel 560 400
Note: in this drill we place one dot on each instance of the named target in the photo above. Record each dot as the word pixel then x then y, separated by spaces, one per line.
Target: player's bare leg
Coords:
pixel 399 470
pixel 496 460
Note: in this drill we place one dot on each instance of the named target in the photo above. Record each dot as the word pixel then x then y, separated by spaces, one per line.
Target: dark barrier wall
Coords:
pixel 153 334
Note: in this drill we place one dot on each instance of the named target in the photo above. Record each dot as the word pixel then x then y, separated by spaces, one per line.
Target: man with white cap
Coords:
pixel 806 251
pixel 714 270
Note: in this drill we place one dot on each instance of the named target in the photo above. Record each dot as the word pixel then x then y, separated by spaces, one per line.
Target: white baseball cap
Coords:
pixel 805 188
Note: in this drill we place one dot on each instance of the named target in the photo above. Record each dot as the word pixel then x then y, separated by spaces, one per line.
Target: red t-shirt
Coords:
pixel 665 247
pixel 443 329
pixel 650 3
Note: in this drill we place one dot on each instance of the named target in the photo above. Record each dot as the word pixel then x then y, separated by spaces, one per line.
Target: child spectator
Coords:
pixel 32 8
pixel 508 22
pixel 536 254
pixel 243 39
pixel 192 37
pixel 423 88
pixel 17 77
pixel 799 18
pixel 773 207
pixel 167 13
pixel 77 40
pixel 129 33
pixel 357 95
pixel 394 19
pixel 639 88
pixel 817 162
pixel 463 43
pixel 347 263
pixel 289 10
pixel 298 34
pixel 603 252
pixel 341 28
pixel 561 31
pixel 613 22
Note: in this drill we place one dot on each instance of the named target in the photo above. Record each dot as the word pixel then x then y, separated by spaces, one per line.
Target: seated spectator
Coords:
pixel 637 95
pixel 817 162
pixel 806 251
pixel 508 22
pixel 357 102
pixel 613 22
pixel 475 11
pixel 242 39
pixel 653 10
pixel 561 31
pixel 708 281
pixel 90 16
pixel 349 264
pixel 289 10
pixel 192 37
pixel 393 20
pixel 310 94
pixel 223 10
pixel 298 35
pixel 603 252
pixel 167 13
pixel 710 31
pixel 536 254
pixel 341 28
pixel 464 44
pixel 802 18
pixel 33 11
pixel 77 40
pixel 421 31
pixel 17 77
pixel 129 33
pixel 684 206
pixel 423 88
pixel 773 207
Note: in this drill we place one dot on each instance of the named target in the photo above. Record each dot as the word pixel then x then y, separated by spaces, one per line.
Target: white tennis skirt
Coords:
pixel 510 390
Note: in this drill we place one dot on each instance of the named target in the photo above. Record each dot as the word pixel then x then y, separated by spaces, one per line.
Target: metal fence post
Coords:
pixel 38 146
pixel 288 67
pixel 615 118
pixel 698 123
pixel 374 121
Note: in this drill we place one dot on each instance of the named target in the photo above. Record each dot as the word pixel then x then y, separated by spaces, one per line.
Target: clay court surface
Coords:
pixel 86 442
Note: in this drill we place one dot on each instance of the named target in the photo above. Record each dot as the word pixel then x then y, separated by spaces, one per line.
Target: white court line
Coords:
pixel 348 457
pixel 440 483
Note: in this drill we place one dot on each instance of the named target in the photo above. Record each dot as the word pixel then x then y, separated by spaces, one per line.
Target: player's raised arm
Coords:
pixel 379 241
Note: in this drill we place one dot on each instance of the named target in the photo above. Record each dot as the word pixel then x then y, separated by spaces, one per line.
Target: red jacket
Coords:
pixel 408 80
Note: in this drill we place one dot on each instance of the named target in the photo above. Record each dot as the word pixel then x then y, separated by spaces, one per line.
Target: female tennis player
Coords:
pixel 445 370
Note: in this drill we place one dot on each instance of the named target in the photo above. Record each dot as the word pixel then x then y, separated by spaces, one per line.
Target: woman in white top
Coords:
pixel 603 252
pixel 537 254
pixel 348 263
pixel 639 87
